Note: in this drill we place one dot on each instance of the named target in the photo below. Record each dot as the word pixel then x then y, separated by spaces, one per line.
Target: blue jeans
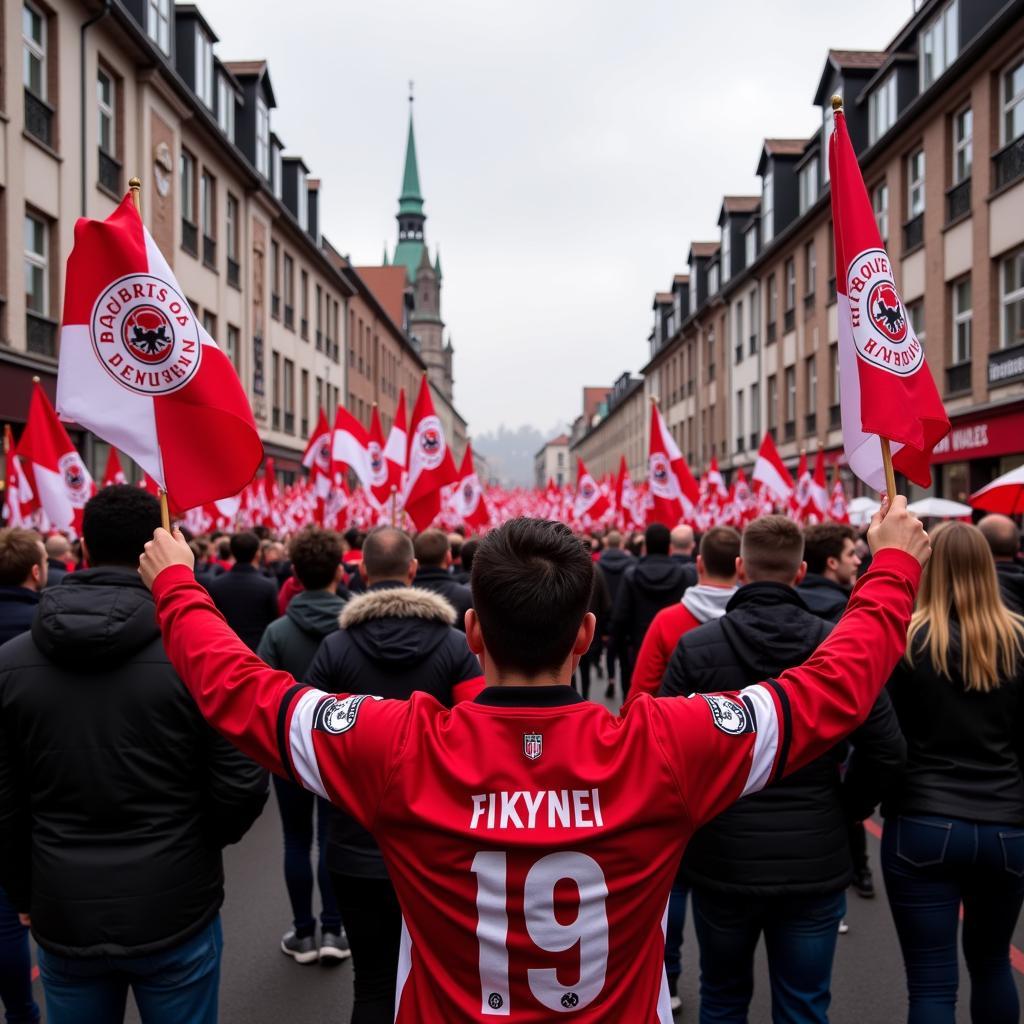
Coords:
pixel 674 928
pixel 15 967
pixel 177 985
pixel 297 807
pixel 800 939
pixel 931 867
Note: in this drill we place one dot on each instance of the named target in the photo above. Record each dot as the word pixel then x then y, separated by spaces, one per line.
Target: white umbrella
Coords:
pixel 939 508
pixel 860 510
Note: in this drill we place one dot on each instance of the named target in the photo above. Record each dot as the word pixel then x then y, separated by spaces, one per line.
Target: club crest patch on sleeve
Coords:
pixel 337 715
pixel 731 716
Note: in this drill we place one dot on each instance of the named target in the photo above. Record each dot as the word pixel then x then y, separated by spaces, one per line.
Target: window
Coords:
pixel 739 421
pixel 289 291
pixel 962 321
pixel 278 173
pixel 233 346
pixel 1011 300
pixel 304 403
pixel 768 206
pixel 275 279
pixel 105 103
pixel 226 107
pixel 158 23
pixel 755 410
pixel 738 329
pixel 188 187
pixel 275 386
pixel 755 318
pixel 773 304
pixel 711 355
pixel 790 394
pixel 232 227
pixel 939 44
pixel 808 184
pixel 916 313
pixel 811 382
pixel 210 324
pixel 1012 122
pixel 262 137
pixel 882 109
pixel 302 201
pixel 208 204
pixel 726 252
pixel 204 68
pixel 750 241
pixel 33 34
pixel 915 184
pixel 773 403
pixel 963 124
pixel 826 137
pixel 713 279
pixel 880 204
pixel 289 396
pixel 37 268
pixel 810 268
pixel 790 284
pixel 304 304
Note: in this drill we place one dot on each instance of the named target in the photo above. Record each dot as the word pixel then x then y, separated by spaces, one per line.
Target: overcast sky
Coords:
pixel 569 152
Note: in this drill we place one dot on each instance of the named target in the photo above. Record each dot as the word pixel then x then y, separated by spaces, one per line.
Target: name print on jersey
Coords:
pixel 550 808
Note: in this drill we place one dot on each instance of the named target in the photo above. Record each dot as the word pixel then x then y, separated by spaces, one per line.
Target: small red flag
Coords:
pixel 431 465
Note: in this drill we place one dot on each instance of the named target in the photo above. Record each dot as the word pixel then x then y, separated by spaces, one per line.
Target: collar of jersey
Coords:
pixel 528 696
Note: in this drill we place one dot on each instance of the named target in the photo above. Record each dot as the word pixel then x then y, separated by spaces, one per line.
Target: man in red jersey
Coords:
pixel 531 836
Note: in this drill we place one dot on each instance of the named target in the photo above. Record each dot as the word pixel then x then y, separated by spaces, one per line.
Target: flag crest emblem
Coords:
pixel 533 745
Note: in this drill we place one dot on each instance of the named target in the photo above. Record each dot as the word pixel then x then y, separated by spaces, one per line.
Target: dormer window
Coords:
pixel 726 253
pixel 302 201
pixel 808 184
pixel 751 245
pixel 939 43
pixel 204 68
pixel 768 206
pixel 278 173
pixel 158 23
pixel 226 107
pixel 882 109
pixel 713 279
pixel 262 137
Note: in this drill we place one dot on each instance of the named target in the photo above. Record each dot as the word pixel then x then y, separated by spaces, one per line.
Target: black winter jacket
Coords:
pixel 613 564
pixel 791 838
pixel 247 599
pixel 440 581
pixel 826 598
pixel 17 610
pixel 964 748
pixel 652 583
pixel 1011 585
pixel 393 641
pixel 116 797
pixel 291 642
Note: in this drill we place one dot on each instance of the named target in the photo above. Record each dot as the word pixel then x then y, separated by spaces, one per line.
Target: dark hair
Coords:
pixel 532 581
pixel 244 546
pixel 719 549
pixel 353 538
pixel 469 549
pixel 656 539
pixel 224 549
pixel 117 523
pixel 316 555
pixel 262 532
pixel 387 552
pixel 455 543
pixel 431 547
pixel 772 548
pixel 823 541
pixel 19 551
pixel 635 544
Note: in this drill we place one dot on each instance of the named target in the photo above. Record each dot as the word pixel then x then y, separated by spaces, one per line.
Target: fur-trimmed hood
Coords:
pixel 398 627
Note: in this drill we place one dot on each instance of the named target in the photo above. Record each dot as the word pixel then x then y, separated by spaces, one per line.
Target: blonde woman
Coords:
pixel 954 826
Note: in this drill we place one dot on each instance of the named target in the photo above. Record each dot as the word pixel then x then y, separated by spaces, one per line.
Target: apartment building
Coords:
pixel 617 429
pixel 552 463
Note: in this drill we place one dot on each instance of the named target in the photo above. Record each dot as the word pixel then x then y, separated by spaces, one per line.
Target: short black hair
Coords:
pixel 823 541
pixel 244 546
pixel 469 549
pixel 117 523
pixel 316 555
pixel 656 539
pixel 354 538
pixel 719 549
pixel 387 552
pixel 532 582
pixel 431 547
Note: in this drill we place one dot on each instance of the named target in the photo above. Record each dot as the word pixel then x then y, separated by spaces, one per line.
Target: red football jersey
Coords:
pixel 532 837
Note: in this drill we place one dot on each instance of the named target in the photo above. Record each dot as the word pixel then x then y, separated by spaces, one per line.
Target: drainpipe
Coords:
pixel 107 4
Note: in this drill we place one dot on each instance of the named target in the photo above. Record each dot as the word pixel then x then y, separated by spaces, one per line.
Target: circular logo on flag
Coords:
pixel 430 442
pixel 468 492
pixel 377 467
pixel 76 480
pixel 661 475
pixel 322 454
pixel 145 336
pixel 587 491
pixel 882 333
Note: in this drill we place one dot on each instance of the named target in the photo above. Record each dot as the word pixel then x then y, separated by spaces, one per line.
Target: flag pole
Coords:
pixel 394 504
pixel 135 187
pixel 890 476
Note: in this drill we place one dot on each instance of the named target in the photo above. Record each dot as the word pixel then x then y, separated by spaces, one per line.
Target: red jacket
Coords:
pixel 659 643
pixel 532 837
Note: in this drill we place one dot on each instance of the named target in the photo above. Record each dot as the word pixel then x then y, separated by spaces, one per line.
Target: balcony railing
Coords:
pixel 789 320
pixel 289 317
pixel 109 172
pixel 958 201
pixel 771 332
pixel 1005 365
pixel 39 118
pixel 40 334
pixel 234 273
pixel 913 232
pixel 189 237
pixel 275 306
pixel 289 423
pixel 790 430
pixel 835 418
pixel 1008 161
pixel 810 423
pixel 958 378
pixel 210 252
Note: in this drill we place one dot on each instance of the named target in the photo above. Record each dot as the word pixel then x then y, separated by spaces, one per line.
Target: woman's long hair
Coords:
pixel 959 581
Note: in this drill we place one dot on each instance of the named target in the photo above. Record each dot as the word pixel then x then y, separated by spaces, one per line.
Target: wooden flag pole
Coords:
pixel 890 475
pixel 394 504
pixel 135 187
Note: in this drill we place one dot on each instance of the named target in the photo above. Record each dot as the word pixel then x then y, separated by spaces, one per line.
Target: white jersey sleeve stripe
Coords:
pixel 404 965
pixel 766 743
pixel 300 742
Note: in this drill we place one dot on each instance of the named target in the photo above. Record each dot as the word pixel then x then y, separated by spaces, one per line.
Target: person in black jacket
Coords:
pixel 394 640
pixel 116 797
pixel 653 583
pixel 1003 539
pixel 613 563
pixel 434 557
pixel 243 595
pixel 954 823
pixel 58 553
pixel 832 564
pixel 776 863
pixel 23 571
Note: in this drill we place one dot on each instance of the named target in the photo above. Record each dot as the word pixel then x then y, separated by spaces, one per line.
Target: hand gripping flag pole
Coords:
pixel 135 187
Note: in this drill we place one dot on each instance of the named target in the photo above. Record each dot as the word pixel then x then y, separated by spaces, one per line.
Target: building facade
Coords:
pixel 552 463
pixel 617 429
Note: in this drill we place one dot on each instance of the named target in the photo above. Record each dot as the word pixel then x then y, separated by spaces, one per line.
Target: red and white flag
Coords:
pixel 60 482
pixel 113 474
pixel 886 388
pixel 396 451
pixel 431 465
pixel 380 481
pixel 625 498
pixel 819 488
pixel 837 510
pixel 801 497
pixel 350 447
pixel 771 473
pixel 468 498
pixel 317 457
pixel 138 370
pixel 19 502
pixel 716 482
pixel 742 500
pixel 672 491
pixel 590 501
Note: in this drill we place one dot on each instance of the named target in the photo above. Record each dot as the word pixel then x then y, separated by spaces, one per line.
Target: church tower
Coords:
pixel 423 276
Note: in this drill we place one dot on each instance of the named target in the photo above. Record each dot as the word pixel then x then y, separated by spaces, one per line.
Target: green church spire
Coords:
pixel 410 201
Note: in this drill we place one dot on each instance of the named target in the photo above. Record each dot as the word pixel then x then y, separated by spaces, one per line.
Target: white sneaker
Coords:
pixel 334 947
pixel 843 927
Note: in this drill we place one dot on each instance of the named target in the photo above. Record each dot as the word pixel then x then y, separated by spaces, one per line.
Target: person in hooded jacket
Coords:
pixel 290 643
pixel 654 582
pixel 116 797
pixel 434 559
pixel 394 640
pixel 777 862
pixel 1003 539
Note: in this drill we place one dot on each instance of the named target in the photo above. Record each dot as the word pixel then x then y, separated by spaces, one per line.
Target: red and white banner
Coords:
pixel 350 447
pixel 431 465
pixel 468 498
pixel 886 388
pixel 771 473
pixel 19 501
pixel 672 491
pixel 113 474
pixel 590 502
pixel 138 370
pixel 380 479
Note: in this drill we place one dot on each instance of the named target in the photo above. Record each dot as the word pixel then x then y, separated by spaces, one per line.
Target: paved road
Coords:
pixel 262 986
